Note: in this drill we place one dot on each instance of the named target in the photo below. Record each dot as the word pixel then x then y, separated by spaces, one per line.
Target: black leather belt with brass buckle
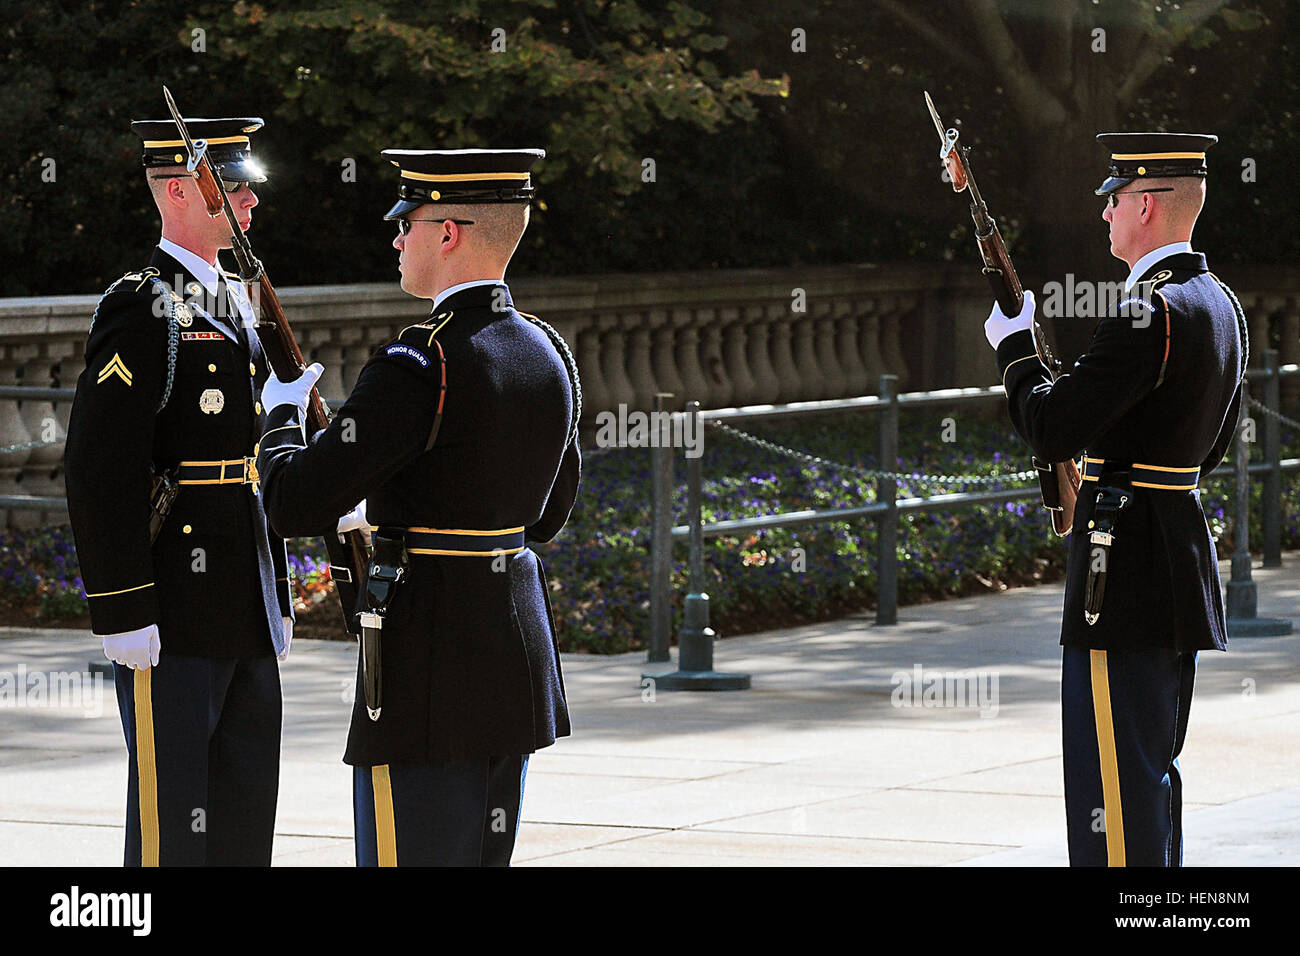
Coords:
pixel 234 471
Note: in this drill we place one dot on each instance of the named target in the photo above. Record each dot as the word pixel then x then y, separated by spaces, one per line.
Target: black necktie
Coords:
pixel 226 300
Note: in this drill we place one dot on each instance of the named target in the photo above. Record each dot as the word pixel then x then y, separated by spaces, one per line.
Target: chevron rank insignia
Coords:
pixel 116 367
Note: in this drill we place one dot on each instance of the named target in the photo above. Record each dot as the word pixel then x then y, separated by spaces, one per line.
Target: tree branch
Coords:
pixel 936 38
pixel 1154 51
pixel 1035 103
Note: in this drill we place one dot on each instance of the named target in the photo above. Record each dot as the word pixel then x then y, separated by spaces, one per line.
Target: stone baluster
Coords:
pixel 892 316
pixel 663 357
pixel 781 332
pixel 812 383
pixel 349 339
pixel 65 366
pixel 42 425
pixel 744 387
pixel 1290 350
pixel 613 356
pixel 688 358
pixel 1260 311
pixel 856 378
pixel 595 394
pixel 869 343
pixel 13 432
pixel 759 335
pixel 721 390
pixel 639 367
pixel 824 344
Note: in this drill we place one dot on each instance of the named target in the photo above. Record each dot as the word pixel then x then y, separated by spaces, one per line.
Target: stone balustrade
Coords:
pixel 729 337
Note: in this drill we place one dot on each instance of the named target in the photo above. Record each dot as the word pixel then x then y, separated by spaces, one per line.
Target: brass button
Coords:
pixel 256 448
pixel 252 369
pixel 257 407
pixel 186 530
pixel 212 368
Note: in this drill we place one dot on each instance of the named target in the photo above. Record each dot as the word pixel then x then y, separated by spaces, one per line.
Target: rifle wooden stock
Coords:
pixel 1005 284
pixel 1001 273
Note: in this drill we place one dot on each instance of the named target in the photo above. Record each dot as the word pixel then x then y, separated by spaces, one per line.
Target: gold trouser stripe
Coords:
pixel 385 824
pixel 466 531
pixel 138 587
pixel 1109 763
pixel 464 554
pixel 146 767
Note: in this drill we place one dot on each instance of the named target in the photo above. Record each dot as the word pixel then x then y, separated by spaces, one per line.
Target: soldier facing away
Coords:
pixel 462 436
pixel 1152 406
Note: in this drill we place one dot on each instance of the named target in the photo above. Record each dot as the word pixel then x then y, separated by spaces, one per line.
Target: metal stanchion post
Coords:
pixel 1242 596
pixel 661 541
pixel 695 654
pixel 1272 487
pixel 887 493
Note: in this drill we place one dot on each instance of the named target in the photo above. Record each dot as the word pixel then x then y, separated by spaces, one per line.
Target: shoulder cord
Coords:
pixel 1241 323
pixel 570 363
pixel 173 327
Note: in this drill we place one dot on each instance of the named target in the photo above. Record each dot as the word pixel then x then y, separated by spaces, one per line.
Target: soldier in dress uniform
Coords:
pixel 194 619
pixel 462 436
pixel 1152 406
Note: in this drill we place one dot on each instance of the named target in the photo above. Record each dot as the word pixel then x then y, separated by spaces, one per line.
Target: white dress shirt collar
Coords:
pixel 205 272
pixel 437 300
pixel 1151 258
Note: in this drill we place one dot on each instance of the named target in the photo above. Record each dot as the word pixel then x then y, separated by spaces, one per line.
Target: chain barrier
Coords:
pixel 871 473
pixel 9 449
pixel 1274 414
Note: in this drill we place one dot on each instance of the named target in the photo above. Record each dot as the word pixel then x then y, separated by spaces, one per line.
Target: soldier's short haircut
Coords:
pixel 497 228
pixel 1186 200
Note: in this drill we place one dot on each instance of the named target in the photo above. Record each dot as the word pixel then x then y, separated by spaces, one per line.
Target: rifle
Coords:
pixel 286 361
pixel 1059 481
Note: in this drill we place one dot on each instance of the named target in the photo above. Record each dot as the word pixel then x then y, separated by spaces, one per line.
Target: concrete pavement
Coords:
pixel 842 753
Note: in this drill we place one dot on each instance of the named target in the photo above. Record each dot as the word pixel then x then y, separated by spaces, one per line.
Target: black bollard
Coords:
pixel 695 655
pixel 1243 598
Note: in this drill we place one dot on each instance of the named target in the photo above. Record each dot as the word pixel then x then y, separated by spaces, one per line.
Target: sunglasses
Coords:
pixel 231 186
pixel 404 224
pixel 1113 198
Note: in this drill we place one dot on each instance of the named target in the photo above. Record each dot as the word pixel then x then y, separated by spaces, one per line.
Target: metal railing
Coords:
pixel 887 507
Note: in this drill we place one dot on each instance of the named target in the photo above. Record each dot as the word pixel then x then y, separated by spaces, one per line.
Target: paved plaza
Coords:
pixel 843 753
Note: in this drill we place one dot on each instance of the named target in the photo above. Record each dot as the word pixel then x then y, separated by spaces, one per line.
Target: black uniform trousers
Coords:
pixel 440 813
pixel 1124 719
pixel 203 738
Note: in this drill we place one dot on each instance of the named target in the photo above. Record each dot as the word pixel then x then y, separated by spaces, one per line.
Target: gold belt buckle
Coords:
pixel 251 477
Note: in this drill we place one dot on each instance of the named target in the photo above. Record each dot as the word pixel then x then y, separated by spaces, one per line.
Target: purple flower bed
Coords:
pixel 599 571
pixel 39 577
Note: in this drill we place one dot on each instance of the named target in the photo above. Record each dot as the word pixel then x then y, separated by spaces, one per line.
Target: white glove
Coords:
pixel 137 649
pixel 288 638
pixel 998 326
pixel 276 392
pixel 355 520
